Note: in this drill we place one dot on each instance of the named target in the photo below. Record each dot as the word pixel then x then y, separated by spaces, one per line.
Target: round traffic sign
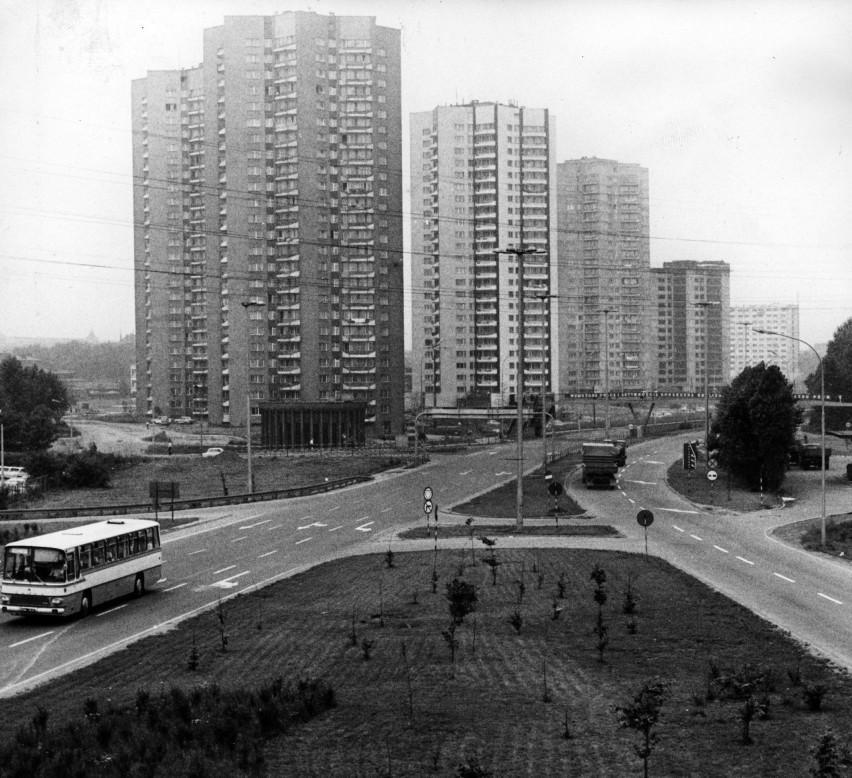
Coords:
pixel 712 475
pixel 427 506
pixel 555 488
pixel 427 493
pixel 645 518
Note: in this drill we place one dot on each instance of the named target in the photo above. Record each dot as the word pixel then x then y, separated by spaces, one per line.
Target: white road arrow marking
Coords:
pixel 365 527
pixel 315 524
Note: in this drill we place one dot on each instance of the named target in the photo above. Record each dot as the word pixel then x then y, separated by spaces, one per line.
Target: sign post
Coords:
pixel 645 519
pixel 555 489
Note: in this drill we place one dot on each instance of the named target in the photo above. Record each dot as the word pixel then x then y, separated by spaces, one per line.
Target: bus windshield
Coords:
pixel 34 565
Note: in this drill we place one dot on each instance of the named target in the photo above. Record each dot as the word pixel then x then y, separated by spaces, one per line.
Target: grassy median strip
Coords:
pixel 504 661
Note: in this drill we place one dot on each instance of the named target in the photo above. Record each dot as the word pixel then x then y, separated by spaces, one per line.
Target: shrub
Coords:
pixel 461 598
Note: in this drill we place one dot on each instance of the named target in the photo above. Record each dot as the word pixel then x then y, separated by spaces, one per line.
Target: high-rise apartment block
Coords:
pixel 749 347
pixel 693 326
pixel 481 180
pixel 604 330
pixel 268 221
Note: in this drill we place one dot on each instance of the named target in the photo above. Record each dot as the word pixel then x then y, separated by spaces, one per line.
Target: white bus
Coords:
pixel 72 570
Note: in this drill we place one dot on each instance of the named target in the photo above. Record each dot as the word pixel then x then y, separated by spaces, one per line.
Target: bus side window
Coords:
pixel 121 547
pixel 156 531
pixel 133 543
pixel 85 557
pixel 98 555
pixel 149 538
pixel 110 550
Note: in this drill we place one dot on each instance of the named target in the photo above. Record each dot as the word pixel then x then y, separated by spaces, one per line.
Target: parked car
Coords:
pixel 213 452
pixel 185 420
pixel 164 420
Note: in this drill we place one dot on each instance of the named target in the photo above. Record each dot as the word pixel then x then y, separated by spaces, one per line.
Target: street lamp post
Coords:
pixel 705 305
pixel 542 298
pixel 822 417
pixel 606 371
pixel 519 392
pixel 246 305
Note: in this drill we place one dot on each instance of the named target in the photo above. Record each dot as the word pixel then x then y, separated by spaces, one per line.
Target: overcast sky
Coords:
pixel 741 111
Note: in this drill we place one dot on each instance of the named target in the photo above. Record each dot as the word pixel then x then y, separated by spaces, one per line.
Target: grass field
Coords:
pixel 532 701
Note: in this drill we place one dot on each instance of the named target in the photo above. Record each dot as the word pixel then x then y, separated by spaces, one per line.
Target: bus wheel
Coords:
pixel 85 604
pixel 139 585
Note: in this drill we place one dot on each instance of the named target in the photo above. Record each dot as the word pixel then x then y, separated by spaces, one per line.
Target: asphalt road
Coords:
pixel 808 594
pixel 240 548
pixel 237 549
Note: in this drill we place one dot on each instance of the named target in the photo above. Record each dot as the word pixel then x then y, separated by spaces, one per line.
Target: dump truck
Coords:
pixel 600 464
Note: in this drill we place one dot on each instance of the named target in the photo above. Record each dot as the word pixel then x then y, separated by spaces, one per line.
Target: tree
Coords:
pixel 755 425
pixel 838 376
pixel 643 716
pixel 461 599
pixel 32 402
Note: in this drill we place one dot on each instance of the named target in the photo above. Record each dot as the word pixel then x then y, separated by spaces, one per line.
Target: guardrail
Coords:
pixel 30 514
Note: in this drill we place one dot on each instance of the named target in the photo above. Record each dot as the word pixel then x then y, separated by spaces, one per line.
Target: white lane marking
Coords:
pixel 632 500
pixel 784 578
pixel 723 550
pixel 192 553
pixel 112 610
pixel 238 575
pixel 335 508
pixel 224 569
pixel 466 472
pixel 677 510
pixel 678 528
pixel 503 472
pixel 334 529
pixel 237 540
pixel 831 599
pixel 252 526
pixel 362 519
pixel 274 526
pixel 695 536
pixel 304 540
pixel 314 524
pixel 652 462
pixel 305 518
pixel 644 483
pixel 357 502
pixel 385 510
pixel 624 494
pixel 176 586
pixel 365 527
pixel 748 562
pixel 30 640
pixel 268 553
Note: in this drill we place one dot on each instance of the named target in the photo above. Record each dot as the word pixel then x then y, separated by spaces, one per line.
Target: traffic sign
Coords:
pixel 427 506
pixel 712 475
pixel 548 475
pixel 645 518
pixel 555 488
pixel 427 493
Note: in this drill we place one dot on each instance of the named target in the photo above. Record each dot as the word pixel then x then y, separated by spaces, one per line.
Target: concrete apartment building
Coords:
pixel 481 179
pixel 604 330
pixel 693 339
pixel 749 347
pixel 268 222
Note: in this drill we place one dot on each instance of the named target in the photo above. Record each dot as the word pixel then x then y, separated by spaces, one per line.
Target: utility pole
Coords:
pixel 705 305
pixel 519 392
pixel 606 370
pixel 246 305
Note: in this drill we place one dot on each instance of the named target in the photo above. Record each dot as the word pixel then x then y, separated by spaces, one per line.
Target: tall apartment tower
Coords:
pixel 749 347
pixel 268 227
pixel 693 337
pixel 604 259
pixel 481 180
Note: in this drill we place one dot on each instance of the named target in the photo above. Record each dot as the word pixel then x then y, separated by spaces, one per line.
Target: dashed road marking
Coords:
pixel 784 578
pixel 252 526
pixel 268 553
pixel 112 610
pixel 176 586
pixel 385 510
pixel 679 529
pixel 830 599
pixel 695 537
pixel 644 483
pixel 723 550
pixel 30 640
pixel 334 529
pixel 237 540
pixel 303 540
pixel 200 551
pixel 225 569
pixel 678 510
pixel 747 561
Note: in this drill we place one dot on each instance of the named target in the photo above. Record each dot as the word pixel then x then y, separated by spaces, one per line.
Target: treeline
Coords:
pixel 104 363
